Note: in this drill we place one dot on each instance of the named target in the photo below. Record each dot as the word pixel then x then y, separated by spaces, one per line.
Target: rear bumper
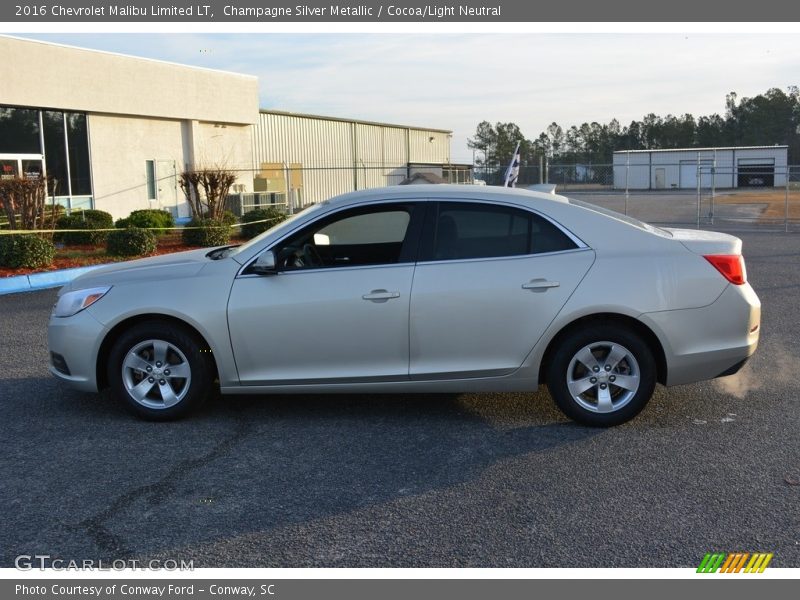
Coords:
pixel 734 369
pixel 712 341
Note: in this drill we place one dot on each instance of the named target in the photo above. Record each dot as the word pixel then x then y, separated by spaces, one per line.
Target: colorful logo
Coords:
pixel 744 562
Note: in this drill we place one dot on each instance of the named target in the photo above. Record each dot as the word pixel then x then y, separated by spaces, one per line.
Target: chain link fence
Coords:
pixel 688 193
pixel 291 187
pixel 680 194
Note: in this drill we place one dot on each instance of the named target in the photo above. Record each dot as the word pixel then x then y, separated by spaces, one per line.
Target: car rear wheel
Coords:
pixel 160 370
pixel 602 375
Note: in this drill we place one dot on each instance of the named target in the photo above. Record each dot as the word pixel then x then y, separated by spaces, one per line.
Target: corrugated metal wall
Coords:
pixel 632 171
pixel 340 156
pixel 429 147
pixel 325 145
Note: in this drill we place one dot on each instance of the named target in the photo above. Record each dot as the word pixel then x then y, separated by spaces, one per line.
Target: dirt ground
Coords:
pixel 775 201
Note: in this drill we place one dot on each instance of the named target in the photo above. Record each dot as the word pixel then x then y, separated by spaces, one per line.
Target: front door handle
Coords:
pixel 380 295
pixel 540 285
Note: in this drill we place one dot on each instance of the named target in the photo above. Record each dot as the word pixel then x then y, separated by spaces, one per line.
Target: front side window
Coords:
pixel 465 230
pixel 356 237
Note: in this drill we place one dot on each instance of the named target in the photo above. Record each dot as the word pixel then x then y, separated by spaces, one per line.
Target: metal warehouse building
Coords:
pixel 685 168
pixel 315 157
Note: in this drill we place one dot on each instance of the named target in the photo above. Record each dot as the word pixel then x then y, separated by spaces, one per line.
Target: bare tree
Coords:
pixel 206 190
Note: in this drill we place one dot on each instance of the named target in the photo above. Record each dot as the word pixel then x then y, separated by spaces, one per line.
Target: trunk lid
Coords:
pixel 707 242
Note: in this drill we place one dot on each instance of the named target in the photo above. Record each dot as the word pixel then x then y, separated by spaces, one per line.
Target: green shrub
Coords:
pixel 272 213
pixel 228 218
pixel 51 214
pixel 25 250
pixel 147 219
pixel 132 241
pixel 209 233
pixel 86 219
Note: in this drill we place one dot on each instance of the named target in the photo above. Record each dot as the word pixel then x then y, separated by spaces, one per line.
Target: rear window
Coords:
pixel 620 217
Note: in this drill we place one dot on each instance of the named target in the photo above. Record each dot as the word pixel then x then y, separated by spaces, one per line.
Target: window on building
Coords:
pixel 78 153
pixel 150 173
pixel 55 151
pixel 19 131
pixel 66 146
pixel 8 169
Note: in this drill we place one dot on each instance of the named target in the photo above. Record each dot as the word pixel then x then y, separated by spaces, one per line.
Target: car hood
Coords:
pixel 164 267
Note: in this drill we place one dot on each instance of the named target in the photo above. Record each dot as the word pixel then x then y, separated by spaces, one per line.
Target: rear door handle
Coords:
pixel 540 284
pixel 380 295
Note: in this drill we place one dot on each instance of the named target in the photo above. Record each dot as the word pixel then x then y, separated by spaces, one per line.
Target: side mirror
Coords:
pixel 265 264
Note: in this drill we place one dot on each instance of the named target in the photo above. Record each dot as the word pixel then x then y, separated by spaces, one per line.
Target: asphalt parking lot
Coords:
pixel 489 480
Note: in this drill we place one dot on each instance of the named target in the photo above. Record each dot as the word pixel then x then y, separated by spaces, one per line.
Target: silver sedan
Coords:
pixel 418 289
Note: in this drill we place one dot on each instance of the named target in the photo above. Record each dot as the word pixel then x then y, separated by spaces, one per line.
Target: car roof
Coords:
pixel 444 191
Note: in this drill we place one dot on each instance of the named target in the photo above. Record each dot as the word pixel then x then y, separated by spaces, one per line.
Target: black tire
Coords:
pixel 184 348
pixel 639 362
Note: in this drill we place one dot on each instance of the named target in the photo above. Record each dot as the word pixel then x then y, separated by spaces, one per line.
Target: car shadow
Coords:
pixel 88 479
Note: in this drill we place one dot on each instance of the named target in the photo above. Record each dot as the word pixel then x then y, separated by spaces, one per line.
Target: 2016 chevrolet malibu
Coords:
pixel 418 289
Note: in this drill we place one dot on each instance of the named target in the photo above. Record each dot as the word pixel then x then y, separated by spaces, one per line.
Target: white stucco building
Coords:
pixel 115 132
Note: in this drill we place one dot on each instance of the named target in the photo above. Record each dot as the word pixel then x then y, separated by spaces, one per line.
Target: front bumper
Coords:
pixel 708 342
pixel 77 340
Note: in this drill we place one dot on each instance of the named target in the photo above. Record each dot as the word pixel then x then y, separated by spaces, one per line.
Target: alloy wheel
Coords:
pixel 156 374
pixel 602 377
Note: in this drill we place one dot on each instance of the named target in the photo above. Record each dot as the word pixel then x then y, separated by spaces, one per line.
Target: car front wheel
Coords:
pixel 160 370
pixel 602 375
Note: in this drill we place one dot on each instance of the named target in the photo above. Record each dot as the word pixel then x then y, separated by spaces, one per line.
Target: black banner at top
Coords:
pixel 389 11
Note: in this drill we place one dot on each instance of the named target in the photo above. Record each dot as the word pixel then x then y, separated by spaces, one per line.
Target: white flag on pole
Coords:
pixel 512 172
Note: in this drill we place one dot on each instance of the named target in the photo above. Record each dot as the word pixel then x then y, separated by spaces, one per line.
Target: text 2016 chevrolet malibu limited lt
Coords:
pixel 418 289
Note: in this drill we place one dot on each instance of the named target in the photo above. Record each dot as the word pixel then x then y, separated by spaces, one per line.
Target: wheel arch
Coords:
pixel 647 334
pixel 126 324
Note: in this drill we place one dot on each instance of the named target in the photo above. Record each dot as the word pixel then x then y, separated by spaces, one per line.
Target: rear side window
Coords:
pixel 464 230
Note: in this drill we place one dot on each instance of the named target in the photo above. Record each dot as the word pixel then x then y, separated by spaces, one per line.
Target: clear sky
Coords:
pixel 454 81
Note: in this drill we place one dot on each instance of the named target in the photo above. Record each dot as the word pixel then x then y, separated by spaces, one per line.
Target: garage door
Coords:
pixel 755 174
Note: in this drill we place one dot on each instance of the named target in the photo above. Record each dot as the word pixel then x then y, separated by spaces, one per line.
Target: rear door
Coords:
pixel 490 280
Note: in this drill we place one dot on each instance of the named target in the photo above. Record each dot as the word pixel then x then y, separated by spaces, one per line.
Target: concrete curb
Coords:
pixel 42 281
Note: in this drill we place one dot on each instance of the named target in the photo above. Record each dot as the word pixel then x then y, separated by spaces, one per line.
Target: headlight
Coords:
pixel 74 302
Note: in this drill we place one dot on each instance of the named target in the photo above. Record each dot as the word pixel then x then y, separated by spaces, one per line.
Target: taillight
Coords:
pixel 730 265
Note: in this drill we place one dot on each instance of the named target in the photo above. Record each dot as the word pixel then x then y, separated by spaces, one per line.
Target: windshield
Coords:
pixel 620 217
pixel 277 227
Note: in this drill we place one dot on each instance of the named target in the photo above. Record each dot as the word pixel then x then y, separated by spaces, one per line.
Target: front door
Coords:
pixel 338 307
pixel 27 166
pixel 660 179
pixel 167 187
